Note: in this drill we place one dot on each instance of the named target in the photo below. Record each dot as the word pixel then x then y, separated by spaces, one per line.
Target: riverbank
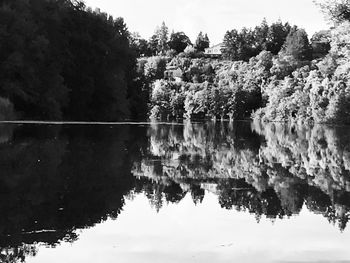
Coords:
pixel 268 87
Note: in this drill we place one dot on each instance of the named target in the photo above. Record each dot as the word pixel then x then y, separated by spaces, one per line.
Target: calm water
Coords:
pixel 240 192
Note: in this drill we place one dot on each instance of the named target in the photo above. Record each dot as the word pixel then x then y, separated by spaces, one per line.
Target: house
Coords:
pixel 214 50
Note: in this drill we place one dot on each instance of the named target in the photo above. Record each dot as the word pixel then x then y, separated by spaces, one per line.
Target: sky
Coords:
pixel 185 232
pixel 213 17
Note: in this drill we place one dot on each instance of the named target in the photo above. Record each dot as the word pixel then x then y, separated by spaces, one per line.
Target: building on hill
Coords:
pixel 214 51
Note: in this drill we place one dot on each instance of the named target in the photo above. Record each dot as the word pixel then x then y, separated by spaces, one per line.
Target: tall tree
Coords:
pixel 230 44
pixel 153 45
pixel 202 42
pixel 261 33
pixel 246 45
pixel 297 45
pixel 160 39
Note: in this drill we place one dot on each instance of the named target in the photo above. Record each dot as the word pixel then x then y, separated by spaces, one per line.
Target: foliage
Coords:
pixel 140 45
pixel 283 87
pixel 179 41
pixel 60 60
pixel 337 10
pixel 211 89
pixel 284 66
pixel 250 42
pixel 158 43
pixel 297 45
pixel 277 36
pixel 320 43
pixel 202 42
pixel 190 51
pixel 155 67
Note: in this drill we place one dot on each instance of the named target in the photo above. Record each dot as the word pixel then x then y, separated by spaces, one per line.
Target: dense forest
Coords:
pixel 63 61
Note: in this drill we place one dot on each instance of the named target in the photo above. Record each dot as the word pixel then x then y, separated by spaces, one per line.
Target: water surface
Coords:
pixel 188 192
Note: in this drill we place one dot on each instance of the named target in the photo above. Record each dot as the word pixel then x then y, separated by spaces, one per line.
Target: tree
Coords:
pixel 140 45
pixel 297 45
pixel 163 38
pixel 337 11
pixel 320 43
pixel 60 60
pixel 277 35
pixel 230 43
pixel 261 36
pixel 340 49
pixel 153 45
pixel 179 41
pixel 202 42
pixel 248 43
pixel 159 40
pixel 239 45
pixel 154 68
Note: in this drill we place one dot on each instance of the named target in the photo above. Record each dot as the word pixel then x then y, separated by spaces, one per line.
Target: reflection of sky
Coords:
pixel 203 233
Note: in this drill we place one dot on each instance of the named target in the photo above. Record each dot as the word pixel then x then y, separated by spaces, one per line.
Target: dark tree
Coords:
pixel 153 45
pixel 277 36
pixel 202 42
pixel 179 41
pixel 60 60
pixel 140 45
pixel 248 43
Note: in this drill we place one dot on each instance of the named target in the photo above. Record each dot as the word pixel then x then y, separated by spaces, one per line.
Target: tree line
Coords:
pixel 272 73
pixel 163 43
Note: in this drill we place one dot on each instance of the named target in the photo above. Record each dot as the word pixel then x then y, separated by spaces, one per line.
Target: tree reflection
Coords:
pixel 58 179
pixel 270 170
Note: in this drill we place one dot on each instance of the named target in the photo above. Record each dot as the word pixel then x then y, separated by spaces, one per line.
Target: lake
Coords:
pixel 174 192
